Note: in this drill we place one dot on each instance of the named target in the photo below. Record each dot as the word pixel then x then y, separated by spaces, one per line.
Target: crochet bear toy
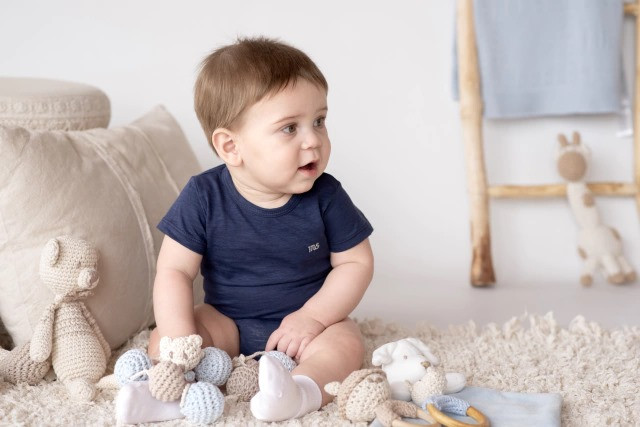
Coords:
pixel 67 333
pixel 365 395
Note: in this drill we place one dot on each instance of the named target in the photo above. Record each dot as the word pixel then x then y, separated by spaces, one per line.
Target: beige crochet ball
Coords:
pixel 243 381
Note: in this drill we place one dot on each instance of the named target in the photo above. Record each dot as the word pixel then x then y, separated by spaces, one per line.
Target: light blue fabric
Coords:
pixel 508 409
pixel 548 57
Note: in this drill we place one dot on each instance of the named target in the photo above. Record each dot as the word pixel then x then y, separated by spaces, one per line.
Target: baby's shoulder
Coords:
pixel 326 183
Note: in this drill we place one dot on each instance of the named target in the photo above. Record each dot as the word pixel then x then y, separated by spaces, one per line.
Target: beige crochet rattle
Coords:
pixel 365 395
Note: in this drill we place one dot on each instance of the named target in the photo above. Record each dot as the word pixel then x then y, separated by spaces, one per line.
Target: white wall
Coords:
pixel 395 131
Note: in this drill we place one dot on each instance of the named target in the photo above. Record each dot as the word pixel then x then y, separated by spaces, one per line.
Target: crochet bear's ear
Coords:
pixel 195 341
pixel 51 252
pixel 332 388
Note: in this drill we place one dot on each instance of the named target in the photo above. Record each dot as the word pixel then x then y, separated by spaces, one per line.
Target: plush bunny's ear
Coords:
pixel 562 140
pixel 383 354
pixel 332 388
pixel 576 138
pixel 425 350
pixel 51 252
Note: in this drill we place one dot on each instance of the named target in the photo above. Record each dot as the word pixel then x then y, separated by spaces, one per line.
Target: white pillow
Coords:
pixel 108 186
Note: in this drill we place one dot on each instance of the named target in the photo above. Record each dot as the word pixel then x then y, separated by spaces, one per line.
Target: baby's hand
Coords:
pixel 296 331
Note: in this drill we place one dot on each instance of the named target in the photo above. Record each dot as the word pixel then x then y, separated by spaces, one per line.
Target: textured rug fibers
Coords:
pixel 594 369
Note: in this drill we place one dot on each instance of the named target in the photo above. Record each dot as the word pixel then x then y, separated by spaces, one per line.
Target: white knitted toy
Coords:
pixel 67 331
pixel 599 245
pixel 406 361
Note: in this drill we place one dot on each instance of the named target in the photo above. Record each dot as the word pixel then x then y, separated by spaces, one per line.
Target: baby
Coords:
pixel 283 250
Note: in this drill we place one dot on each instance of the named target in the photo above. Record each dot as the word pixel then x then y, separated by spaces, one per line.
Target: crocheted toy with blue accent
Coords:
pixel 185 372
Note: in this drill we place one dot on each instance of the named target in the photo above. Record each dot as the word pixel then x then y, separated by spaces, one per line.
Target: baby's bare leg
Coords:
pixel 215 328
pixel 332 355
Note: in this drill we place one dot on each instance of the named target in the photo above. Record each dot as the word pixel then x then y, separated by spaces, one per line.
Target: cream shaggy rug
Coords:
pixel 595 370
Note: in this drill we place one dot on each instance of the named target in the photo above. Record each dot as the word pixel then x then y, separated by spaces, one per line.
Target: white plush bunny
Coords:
pixel 405 362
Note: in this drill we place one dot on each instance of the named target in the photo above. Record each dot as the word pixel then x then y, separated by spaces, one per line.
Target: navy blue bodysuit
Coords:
pixel 261 264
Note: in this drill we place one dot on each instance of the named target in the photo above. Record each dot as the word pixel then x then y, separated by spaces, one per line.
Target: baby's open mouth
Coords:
pixel 308 167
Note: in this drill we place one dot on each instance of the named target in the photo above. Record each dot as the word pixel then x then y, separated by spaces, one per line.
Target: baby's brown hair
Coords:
pixel 236 76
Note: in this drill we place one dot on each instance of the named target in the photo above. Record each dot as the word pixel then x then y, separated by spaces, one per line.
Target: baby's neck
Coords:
pixel 260 198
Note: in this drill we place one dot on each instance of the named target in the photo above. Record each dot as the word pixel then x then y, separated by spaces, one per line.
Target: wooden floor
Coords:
pixel 609 305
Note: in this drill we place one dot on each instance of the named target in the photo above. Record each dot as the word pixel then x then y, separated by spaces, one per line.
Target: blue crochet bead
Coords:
pixel 129 364
pixel 203 403
pixel 286 361
pixel 446 403
pixel 215 366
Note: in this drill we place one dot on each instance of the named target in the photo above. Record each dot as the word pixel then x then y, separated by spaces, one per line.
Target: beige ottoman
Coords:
pixel 43 104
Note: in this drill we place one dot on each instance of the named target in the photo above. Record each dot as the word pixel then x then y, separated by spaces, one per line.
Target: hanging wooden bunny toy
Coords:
pixel 599 245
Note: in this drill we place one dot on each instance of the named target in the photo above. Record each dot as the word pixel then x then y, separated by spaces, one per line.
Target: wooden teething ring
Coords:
pixel 420 414
pixel 451 422
pixel 389 413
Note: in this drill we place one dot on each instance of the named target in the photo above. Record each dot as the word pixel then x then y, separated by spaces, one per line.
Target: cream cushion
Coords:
pixel 108 186
pixel 44 104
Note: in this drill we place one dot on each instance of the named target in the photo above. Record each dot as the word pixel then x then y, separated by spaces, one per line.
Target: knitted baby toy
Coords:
pixel 185 372
pixel 67 332
pixel 243 381
pixel 365 395
pixel 406 361
pixel 599 245
pixel 16 366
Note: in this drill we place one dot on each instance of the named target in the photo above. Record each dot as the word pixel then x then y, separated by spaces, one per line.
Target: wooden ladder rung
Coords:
pixel 558 190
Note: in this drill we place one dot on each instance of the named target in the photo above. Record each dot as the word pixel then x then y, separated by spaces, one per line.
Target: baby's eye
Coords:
pixel 289 129
pixel 319 122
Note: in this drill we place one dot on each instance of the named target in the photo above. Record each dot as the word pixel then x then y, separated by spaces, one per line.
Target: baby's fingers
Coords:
pixel 283 344
pixel 292 349
pixel 303 344
pixel 273 340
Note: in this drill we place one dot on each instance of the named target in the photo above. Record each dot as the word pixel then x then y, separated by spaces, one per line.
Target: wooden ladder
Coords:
pixel 482 273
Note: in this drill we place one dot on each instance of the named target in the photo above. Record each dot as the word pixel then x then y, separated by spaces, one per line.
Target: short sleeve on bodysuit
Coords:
pixel 345 225
pixel 186 220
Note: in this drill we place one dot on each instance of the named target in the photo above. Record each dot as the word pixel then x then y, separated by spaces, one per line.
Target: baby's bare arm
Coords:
pixel 344 287
pixel 340 294
pixel 173 289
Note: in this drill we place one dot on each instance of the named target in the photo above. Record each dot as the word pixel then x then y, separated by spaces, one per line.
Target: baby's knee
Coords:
pixel 216 329
pixel 351 345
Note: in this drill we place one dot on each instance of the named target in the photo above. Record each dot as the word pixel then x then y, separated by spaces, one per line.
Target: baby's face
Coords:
pixel 283 140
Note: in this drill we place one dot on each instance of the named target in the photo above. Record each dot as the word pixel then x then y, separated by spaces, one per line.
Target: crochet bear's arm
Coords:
pixel 94 325
pixel 42 339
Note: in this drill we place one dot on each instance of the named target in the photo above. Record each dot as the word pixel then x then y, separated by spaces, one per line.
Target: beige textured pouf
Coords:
pixel 42 104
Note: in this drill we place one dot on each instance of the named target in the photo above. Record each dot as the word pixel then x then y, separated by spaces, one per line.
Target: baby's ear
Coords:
pixel 225 145
pixel 332 388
